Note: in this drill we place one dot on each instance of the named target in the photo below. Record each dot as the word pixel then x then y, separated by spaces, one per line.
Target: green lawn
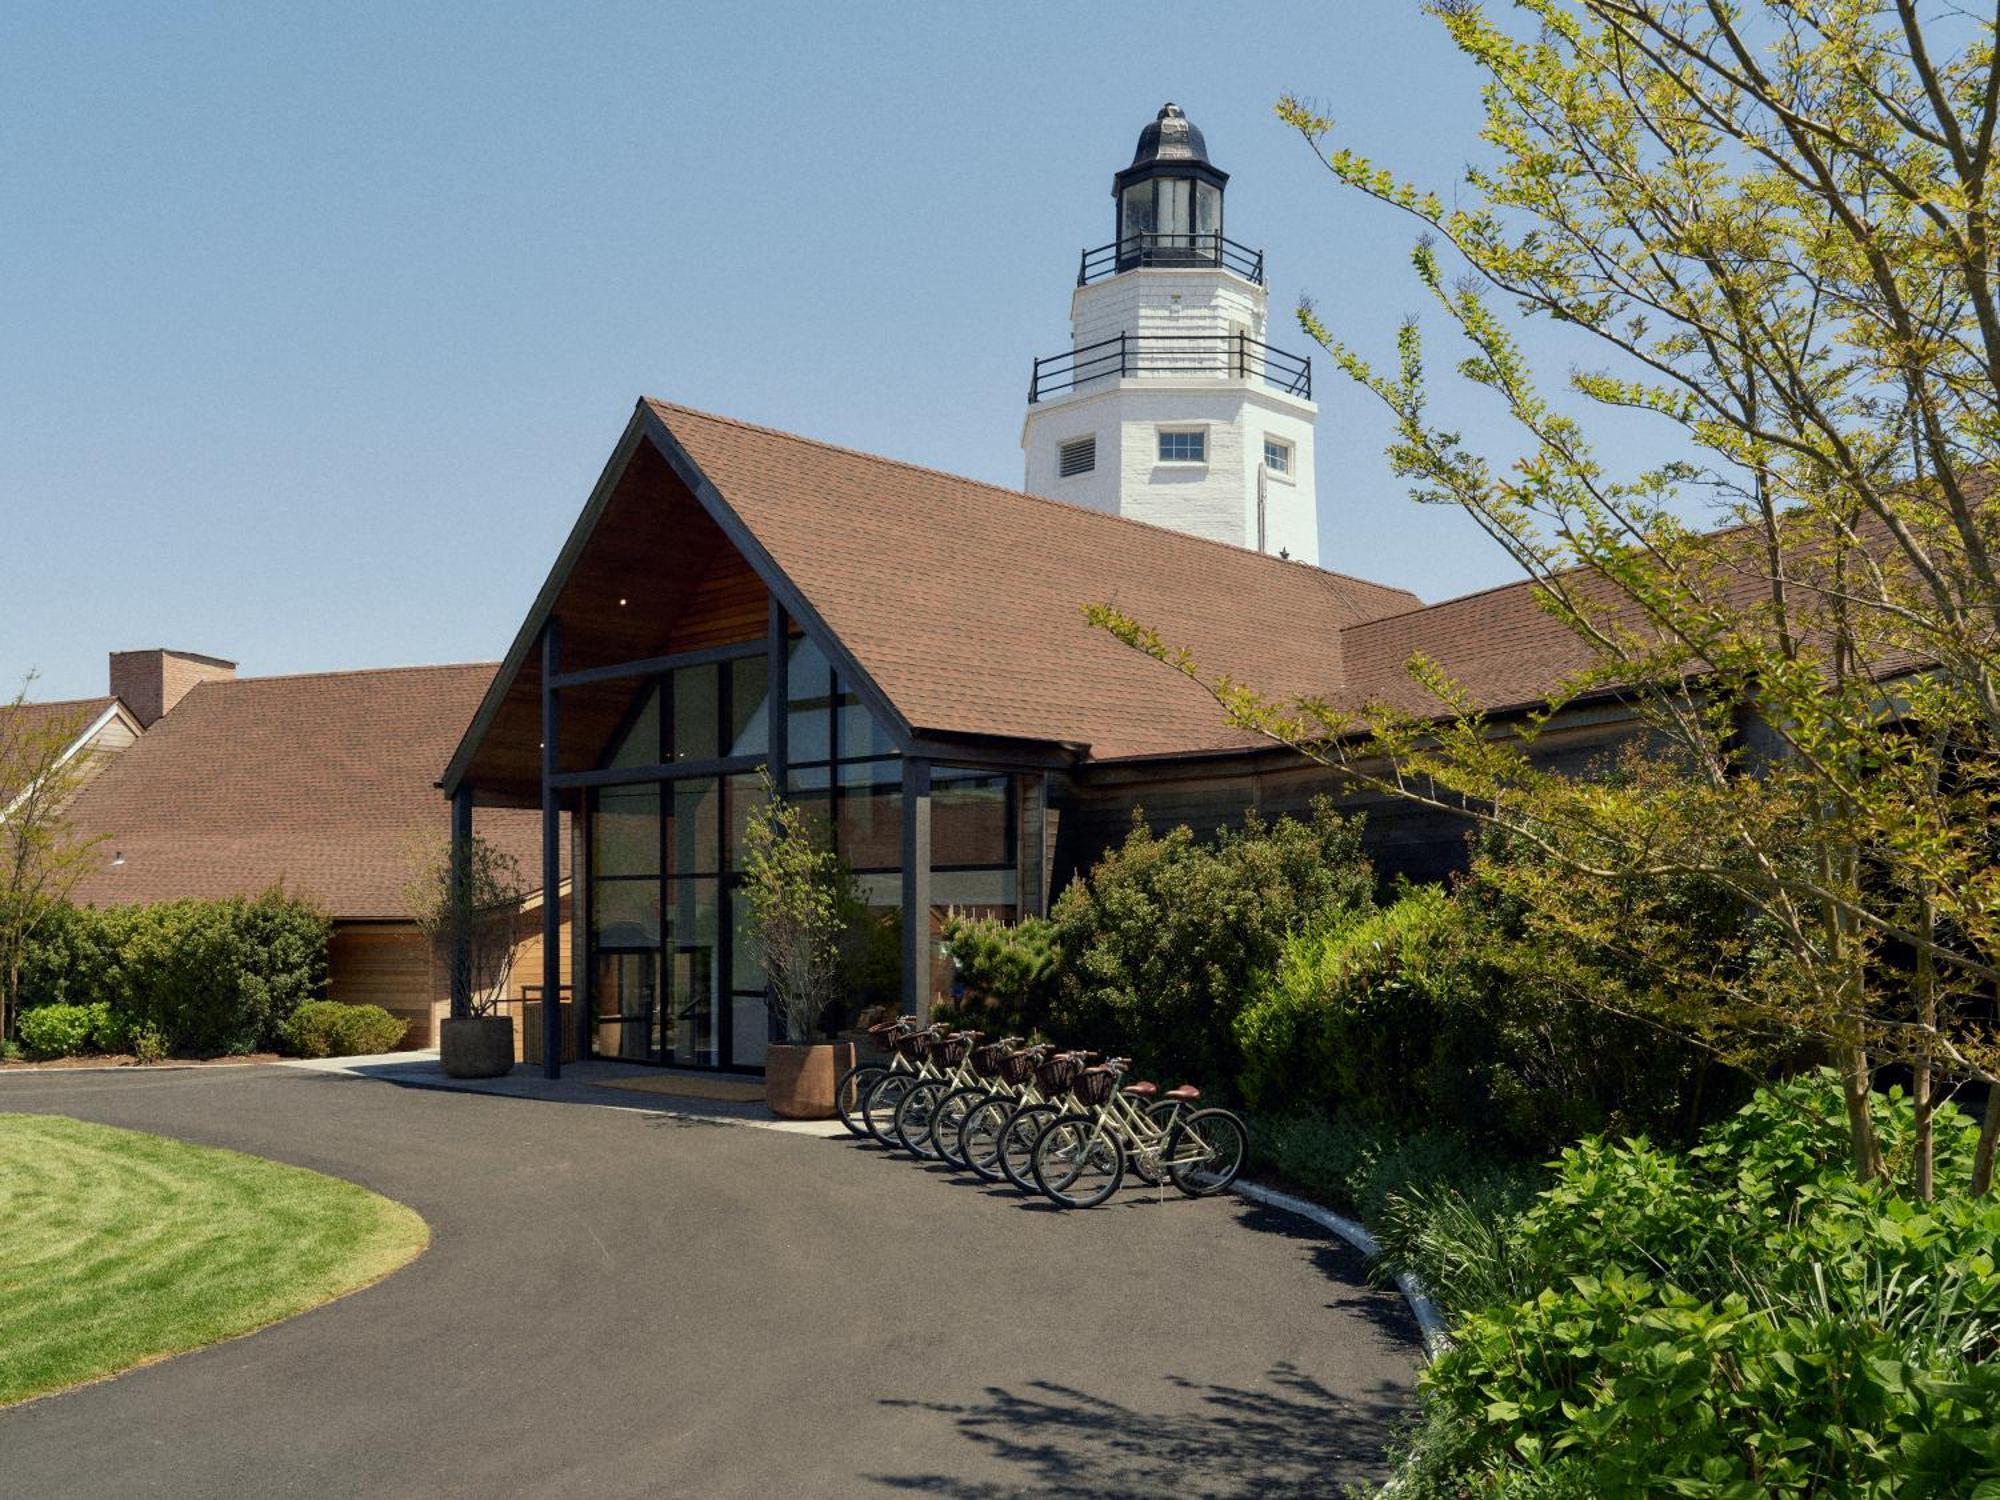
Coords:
pixel 118 1247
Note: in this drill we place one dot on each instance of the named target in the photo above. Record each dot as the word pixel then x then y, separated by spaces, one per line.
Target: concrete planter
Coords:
pixel 476 1046
pixel 799 1080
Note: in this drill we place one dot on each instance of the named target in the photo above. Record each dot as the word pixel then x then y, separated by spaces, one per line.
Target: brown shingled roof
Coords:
pixel 316 781
pixel 963 601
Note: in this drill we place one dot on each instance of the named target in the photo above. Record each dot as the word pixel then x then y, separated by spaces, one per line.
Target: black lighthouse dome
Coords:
pixel 1170 198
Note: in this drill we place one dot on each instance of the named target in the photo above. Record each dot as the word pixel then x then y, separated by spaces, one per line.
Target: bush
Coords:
pixel 327 1028
pixel 1427 1012
pixel 199 977
pixel 1363 1167
pixel 1006 974
pixel 60 1030
pixel 1741 1319
pixel 1160 941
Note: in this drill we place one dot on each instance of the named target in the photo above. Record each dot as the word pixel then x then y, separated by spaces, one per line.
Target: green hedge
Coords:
pixel 199 977
pixel 327 1028
pixel 1740 1319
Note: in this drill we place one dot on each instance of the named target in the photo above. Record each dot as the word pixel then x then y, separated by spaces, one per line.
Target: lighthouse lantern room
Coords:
pixel 1169 406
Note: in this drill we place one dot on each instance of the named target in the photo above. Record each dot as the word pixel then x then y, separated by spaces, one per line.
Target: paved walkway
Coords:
pixel 627 1301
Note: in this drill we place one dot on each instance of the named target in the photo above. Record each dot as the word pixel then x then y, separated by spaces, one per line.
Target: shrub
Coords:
pixel 1363 1166
pixel 1006 974
pixel 59 1030
pixel 327 1028
pixel 1427 1012
pixel 1741 1319
pixel 201 977
pixel 1160 941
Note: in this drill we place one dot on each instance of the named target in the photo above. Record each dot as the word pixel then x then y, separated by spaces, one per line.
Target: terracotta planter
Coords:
pixel 476 1046
pixel 799 1080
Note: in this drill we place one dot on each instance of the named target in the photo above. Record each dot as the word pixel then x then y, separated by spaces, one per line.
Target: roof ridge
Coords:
pixel 1492 588
pixel 1001 489
pixel 441 666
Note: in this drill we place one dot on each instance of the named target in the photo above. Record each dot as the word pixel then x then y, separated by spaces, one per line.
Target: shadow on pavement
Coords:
pixel 1291 1436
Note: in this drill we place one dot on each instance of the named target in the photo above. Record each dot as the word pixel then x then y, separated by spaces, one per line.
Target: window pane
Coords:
pixel 811 789
pixel 626 829
pixel 1176 209
pixel 1183 447
pixel 694 976
pixel 871 815
pixel 809 689
pixel 694 835
pixel 969 820
pixel 749 706
pixel 696 713
pixel 640 744
pixel 859 732
pixel 746 953
pixel 625 913
pixel 1277 456
pixel 751 1039
pixel 1208 211
pixel 625 1005
pixel 745 795
pixel 1138 211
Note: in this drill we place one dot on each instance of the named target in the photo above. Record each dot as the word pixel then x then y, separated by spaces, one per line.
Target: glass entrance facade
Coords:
pixel 674 972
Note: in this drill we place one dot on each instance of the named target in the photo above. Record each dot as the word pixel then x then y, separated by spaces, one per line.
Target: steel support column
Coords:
pixel 460 871
pixel 551 854
pixel 916 887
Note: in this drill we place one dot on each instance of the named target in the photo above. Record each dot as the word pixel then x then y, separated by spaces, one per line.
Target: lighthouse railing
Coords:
pixel 1129 356
pixel 1165 249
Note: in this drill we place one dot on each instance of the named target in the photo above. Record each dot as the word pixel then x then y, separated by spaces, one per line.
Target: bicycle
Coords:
pixel 928 1119
pixel 1079 1159
pixel 851 1092
pixel 932 1054
pixel 1036 1109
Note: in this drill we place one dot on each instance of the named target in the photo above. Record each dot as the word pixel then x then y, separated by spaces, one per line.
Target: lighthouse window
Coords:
pixel 1277 456
pixel 1077 457
pixel 1184 447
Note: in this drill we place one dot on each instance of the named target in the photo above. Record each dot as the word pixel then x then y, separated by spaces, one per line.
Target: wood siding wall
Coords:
pixel 390 964
pixel 1402 837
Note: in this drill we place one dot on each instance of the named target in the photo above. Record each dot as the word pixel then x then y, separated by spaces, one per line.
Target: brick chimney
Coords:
pixel 152 682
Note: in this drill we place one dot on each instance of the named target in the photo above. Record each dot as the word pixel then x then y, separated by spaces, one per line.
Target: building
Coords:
pixel 906 652
pixel 1169 406
pixel 320 783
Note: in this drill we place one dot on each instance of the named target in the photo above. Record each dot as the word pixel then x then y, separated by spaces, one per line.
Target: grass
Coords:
pixel 118 1248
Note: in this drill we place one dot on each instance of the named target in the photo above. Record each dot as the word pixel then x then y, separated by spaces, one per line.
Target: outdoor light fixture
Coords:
pixel 117 859
pixel 621 603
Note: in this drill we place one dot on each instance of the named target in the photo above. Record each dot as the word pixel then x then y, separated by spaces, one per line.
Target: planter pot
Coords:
pixel 799 1080
pixel 476 1046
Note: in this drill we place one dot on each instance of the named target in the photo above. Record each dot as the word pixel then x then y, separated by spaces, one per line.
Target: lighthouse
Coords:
pixel 1170 406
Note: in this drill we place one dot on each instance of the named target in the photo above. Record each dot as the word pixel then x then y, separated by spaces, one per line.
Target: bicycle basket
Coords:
pixel 916 1046
pixel 1017 1068
pixel 1056 1074
pixel 1094 1085
pixel 987 1060
pixel 950 1052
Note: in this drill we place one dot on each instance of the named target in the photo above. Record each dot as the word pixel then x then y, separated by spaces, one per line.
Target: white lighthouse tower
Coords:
pixel 1169 406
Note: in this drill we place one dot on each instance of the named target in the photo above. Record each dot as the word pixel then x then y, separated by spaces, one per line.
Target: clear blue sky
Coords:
pixel 317 323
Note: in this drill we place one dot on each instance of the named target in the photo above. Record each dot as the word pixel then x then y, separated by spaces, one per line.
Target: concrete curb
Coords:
pixel 1430 1322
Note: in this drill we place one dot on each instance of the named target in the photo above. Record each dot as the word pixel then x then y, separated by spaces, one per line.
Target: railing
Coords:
pixel 1164 248
pixel 1226 356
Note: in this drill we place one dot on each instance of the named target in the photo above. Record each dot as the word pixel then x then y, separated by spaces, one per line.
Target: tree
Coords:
pixel 800 899
pixel 1775 219
pixel 41 856
pixel 470 922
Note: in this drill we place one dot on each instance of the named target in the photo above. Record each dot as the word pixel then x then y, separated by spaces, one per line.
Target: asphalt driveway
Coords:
pixel 619 1302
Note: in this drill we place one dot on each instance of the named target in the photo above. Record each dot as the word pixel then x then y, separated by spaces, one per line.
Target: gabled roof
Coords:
pixel 80 721
pixel 961 603
pixel 318 781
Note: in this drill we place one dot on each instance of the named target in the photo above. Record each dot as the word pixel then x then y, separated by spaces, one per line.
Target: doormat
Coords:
pixel 734 1090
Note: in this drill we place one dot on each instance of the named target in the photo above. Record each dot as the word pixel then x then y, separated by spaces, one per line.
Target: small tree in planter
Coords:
pixel 798 892
pixel 470 924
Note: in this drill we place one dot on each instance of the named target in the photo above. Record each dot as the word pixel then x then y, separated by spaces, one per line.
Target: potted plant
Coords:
pixel 469 916
pixel 797 890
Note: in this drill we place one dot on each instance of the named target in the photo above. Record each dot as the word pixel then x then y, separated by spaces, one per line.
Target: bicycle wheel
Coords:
pixel 879 1111
pixel 1145 1164
pixel 948 1117
pixel 852 1092
pixel 1017 1143
pixel 1078 1162
pixel 914 1115
pixel 979 1136
pixel 1214 1143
